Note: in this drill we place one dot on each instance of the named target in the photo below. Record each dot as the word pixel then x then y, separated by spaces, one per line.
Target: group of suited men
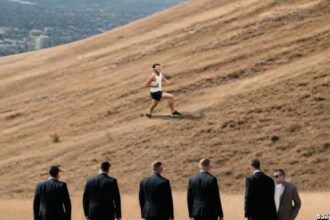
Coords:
pixel 101 199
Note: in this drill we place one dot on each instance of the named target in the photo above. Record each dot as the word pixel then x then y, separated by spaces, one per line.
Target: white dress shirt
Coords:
pixel 279 189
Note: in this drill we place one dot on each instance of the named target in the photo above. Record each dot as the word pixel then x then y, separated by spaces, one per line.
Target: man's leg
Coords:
pixel 170 99
pixel 153 106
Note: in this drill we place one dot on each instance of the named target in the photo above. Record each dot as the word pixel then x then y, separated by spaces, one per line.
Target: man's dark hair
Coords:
pixel 156 165
pixel 156 64
pixel 54 170
pixel 281 171
pixel 105 166
pixel 205 162
pixel 255 163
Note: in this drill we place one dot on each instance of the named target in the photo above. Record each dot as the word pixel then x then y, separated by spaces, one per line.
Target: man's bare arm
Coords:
pixel 149 81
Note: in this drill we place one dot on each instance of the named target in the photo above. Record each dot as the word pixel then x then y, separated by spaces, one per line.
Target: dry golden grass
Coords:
pixel 246 70
pixel 312 204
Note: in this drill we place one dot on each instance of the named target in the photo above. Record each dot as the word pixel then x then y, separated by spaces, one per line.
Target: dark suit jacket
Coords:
pixel 203 197
pixel 52 201
pixel 101 199
pixel 155 196
pixel 287 210
pixel 259 197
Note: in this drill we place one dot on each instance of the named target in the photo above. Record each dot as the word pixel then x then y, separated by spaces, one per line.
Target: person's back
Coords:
pixel 101 199
pixel 52 201
pixel 203 197
pixel 259 195
pixel 155 197
pixel 263 198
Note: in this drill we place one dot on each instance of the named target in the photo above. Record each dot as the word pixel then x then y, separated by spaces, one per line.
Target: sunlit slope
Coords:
pixel 253 75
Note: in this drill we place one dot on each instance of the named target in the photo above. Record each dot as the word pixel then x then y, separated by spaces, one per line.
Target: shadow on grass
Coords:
pixel 185 116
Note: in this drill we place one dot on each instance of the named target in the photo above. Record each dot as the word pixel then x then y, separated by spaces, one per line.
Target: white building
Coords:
pixel 35 33
pixel 32 39
pixel 43 41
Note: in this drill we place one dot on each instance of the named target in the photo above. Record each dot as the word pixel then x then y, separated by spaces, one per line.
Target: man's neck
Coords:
pixel 103 172
pixel 52 178
pixel 204 171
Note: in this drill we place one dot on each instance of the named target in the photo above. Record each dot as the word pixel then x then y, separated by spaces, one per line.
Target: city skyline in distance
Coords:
pixel 67 21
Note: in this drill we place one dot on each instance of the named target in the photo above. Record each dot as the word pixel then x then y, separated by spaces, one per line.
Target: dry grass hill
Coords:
pixel 253 75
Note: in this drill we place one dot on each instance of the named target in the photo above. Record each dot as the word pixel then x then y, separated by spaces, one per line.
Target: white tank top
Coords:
pixel 157 81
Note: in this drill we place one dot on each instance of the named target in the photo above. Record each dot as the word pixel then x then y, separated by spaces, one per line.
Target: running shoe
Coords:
pixel 177 114
pixel 147 115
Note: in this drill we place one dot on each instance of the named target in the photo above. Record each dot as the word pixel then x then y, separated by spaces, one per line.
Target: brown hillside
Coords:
pixel 248 72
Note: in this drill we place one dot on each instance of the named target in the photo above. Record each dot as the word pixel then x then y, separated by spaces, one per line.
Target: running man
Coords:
pixel 154 82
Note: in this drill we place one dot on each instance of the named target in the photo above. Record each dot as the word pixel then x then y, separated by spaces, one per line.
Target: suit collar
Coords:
pixel 156 174
pixel 103 174
pixel 285 185
pixel 54 179
pixel 259 172
pixel 256 171
pixel 203 172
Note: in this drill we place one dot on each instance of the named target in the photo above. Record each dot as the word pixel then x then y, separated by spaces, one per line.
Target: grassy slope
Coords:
pixel 245 70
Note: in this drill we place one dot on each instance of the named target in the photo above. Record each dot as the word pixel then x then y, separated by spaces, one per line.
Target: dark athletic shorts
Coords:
pixel 156 95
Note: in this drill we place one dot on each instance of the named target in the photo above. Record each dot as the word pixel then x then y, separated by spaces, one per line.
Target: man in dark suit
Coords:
pixel 259 195
pixel 287 199
pixel 101 199
pixel 203 197
pixel 52 200
pixel 155 196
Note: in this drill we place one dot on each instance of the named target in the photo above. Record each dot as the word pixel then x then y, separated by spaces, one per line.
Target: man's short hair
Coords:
pixel 204 162
pixel 54 170
pixel 255 163
pixel 105 165
pixel 156 64
pixel 155 165
pixel 281 171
